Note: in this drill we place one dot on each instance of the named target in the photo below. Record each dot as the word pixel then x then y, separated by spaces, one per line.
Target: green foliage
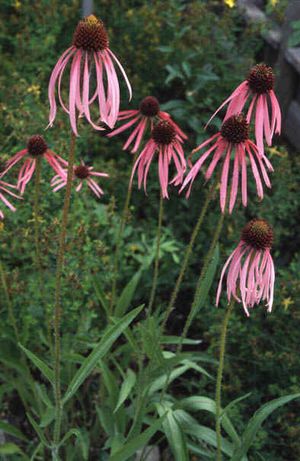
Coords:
pixel 116 366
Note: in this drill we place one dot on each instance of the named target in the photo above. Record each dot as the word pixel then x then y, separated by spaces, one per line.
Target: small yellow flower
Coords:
pixel 287 302
pixel 230 3
pixel 274 2
pixel 1 226
pixel 35 90
pixel 17 4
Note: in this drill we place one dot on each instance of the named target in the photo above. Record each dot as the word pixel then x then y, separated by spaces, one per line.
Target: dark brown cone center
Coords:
pixel 149 106
pixel 258 234
pixel 235 129
pixel 163 133
pixel 81 172
pixel 261 79
pixel 90 34
pixel 36 145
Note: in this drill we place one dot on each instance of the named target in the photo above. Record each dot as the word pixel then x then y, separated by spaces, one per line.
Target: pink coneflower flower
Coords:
pixel 251 273
pixel 89 54
pixel 82 173
pixel 168 145
pixel 148 113
pixel 4 190
pixel 36 147
pixel 232 139
pixel 259 88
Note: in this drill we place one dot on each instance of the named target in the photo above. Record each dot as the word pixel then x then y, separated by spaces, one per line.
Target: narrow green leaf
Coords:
pixel 173 432
pixel 126 387
pixel 129 448
pixel 205 434
pixel 69 434
pixel 38 430
pixel 110 335
pixel 127 295
pixel 12 430
pixel 12 449
pixel 202 403
pixel 44 369
pixel 256 422
pixel 207 280
pixel 100 295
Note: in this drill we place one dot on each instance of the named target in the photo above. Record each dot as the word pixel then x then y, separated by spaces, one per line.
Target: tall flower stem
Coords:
pixel 10 309
pixel 118 242
pixel 219 378
pixel 197 295
pixel 187 255
pixel 156 261
pixel 37 187
pixel 38 255
pixel 57 305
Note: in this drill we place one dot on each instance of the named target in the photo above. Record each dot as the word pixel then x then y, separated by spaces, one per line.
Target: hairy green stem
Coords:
pixel 118 242
pixel 37 187
pixel 57 305
pixel 11 315
pixel 38 254
pixel 196 299
pixel 195 302
pixel 187 256
pixel 156 261
pixel 219 378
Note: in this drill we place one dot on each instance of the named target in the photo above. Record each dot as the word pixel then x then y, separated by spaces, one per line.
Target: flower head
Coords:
pixel 250 268
pixel 36 147
pixel 168 145
pixel 258 89
pixel 146 116
pixel 4 189
pixel 231 139
pixel 81 173
pixel 89 54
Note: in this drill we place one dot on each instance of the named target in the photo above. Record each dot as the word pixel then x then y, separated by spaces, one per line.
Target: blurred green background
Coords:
pixel 190 55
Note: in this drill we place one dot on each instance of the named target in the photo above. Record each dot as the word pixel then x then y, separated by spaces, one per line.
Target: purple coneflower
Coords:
pixel 259 88
pixel 232 139
pixel 251 273
pixel 168 145
pixel 36 147
pixel 148 113
pixel 82 173
pixel 90 54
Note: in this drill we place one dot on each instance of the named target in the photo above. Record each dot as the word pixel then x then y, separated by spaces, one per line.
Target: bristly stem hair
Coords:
pixel 219 378
pixel 57 305
pixel 156 261
pixel 119 240
pixel 187 255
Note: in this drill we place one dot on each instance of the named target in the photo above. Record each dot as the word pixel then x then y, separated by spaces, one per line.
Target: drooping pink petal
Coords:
pixel 55 73
pixel 123 72
pixel 259 124
pixel 235 181
pixel 75 72
pixel 224 179
pixel 242 88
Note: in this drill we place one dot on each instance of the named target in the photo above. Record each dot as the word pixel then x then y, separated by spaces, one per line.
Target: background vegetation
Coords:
pixel 189 55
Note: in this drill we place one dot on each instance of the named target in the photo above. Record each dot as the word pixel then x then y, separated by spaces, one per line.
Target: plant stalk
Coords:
pixel 57 305
pixel 118 243
pixel 207 261
pixel 219 378
pixel 195 302
pixel 11 314
pixel 37 187
pixel 156 262
pixel 187 255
